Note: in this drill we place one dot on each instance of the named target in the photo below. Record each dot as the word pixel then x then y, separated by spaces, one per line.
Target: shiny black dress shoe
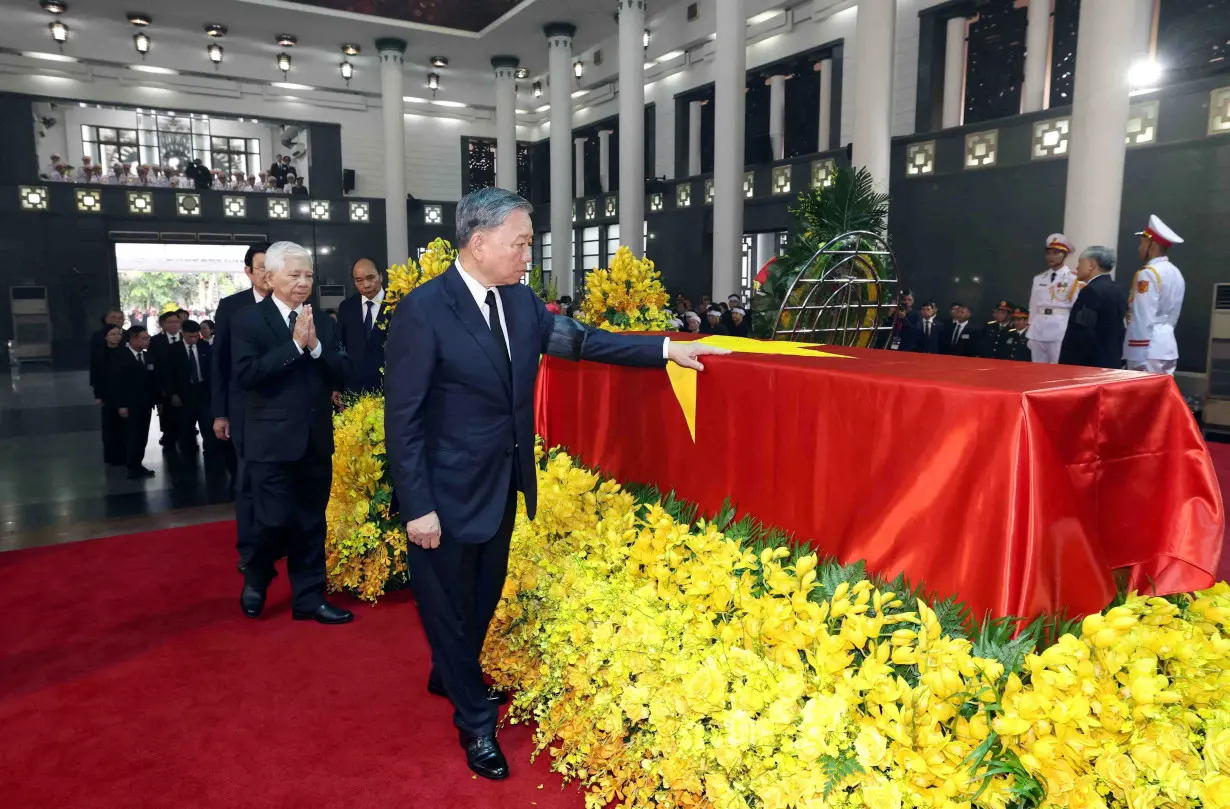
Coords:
pixel 434 686
pixel 484 756
pixel 138 474
pixel 325 614
pixel 252 600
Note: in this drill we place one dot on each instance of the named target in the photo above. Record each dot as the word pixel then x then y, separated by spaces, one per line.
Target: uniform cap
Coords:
pixel 1158 231
pixel 1019 312
pixel 1006 305
pixel 1058 241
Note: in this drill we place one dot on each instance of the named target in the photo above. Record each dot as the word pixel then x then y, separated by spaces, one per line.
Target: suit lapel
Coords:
pixel 467 311
pixel 274 318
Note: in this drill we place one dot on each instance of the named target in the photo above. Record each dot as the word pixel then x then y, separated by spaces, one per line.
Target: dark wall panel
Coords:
pixel 325 170
pixel 18 155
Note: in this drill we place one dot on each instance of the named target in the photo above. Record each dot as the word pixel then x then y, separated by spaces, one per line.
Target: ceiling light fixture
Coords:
pixel 433 82
pixel 351 49
pixel 645 38
pixel 54 6
pixel 139 20
pixel 287 40
pixel 59 32
pixel 523 73
pixel 347 71
pixel 141 42
pixel 578 69
pixel 284 63
pixel 439 61
pixel 537 89
pixel 216 31
pixel 215 54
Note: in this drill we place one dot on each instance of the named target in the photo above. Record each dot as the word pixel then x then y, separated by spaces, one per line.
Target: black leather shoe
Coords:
pixel 436 687
pixel 252 600
pixel 142 472
pixel 325 614
pixel 484 756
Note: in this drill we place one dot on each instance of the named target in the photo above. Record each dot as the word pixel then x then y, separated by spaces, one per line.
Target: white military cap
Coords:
pixel 1058 241
pixel 1158 231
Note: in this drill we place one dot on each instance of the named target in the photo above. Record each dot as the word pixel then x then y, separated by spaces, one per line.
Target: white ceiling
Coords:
pixel 100 32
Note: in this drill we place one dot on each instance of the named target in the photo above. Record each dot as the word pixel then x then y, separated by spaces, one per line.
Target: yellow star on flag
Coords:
pixel 683 380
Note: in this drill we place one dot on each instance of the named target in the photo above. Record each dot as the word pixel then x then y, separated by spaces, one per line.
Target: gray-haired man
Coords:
pixel 285 359
pixel 1095 328
pixel 461 360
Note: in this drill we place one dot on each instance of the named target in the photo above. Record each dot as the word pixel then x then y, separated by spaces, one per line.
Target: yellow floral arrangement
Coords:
pixel 403 278
pixel 365 543
pixel 676 662
pixel 627 297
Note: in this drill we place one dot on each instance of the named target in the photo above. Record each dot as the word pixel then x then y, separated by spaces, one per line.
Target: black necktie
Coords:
pixel 367 319
pixel 497 331
pixel 141 358
pixel 956 333
pixel 193 376
pixel 290 320
pixel 927 331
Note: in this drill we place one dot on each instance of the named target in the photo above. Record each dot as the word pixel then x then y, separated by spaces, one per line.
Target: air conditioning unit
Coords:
pixel 31 324
pixel 1217 405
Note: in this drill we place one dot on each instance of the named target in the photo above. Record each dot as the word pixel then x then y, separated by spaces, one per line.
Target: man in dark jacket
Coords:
pixel 1096 328
pixel 134 388
pixel 964 339
pixel 360 320
pixel 186 389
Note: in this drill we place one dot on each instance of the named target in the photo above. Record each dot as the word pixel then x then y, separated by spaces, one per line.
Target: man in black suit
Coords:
pixel 135 387
pixel 359 319
pixel 187 389
pixel 463 357
pixel 287 362
pixel 160 348
pixel 964 339
pixel 1096 325
pixel 226 399
pixel 932 334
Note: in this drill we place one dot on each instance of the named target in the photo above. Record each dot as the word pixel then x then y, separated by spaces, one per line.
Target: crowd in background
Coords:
pixel 281 178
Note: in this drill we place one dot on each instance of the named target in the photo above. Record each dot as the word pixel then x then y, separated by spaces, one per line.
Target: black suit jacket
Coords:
pixel 287 408
pixel 225 397
pixel 459 422
pixel 366 349
pixel 969 344
pixel 178 374
pixel 931 343
pixel 133 385
pixel 1095 327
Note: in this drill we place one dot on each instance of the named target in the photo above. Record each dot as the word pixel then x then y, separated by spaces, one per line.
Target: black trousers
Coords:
pixel 112 437
pixel 457 587
pixel 192 416
pixel 246 532
pixel 136 436
pixel 290 500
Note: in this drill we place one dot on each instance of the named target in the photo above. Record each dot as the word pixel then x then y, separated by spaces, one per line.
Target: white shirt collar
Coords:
pixel 135 353
pixel 378 299
pixel 285 310
pixel 474 285
pixel 259 297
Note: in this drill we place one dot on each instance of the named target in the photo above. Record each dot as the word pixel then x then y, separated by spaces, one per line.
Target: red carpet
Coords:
pixel 129 678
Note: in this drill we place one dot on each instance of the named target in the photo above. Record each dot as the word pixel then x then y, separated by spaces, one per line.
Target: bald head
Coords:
pixel 366 277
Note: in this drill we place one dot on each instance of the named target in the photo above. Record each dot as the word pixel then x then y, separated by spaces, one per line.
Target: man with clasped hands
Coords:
pixel 286 360
pixel 461 360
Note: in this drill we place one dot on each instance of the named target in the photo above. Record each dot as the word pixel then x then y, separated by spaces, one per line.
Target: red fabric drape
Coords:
pixel 1017 487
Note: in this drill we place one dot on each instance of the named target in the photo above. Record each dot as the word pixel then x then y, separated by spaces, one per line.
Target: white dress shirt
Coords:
pixel 285 311
pixel 259 297
pixel 957 330
pixel 377 301
pixel 480 297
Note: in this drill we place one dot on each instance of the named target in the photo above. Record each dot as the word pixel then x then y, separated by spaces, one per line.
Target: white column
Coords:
pixel 397 232
pixel 578 166
pixel 632 124
pixel 826 105
pixel 695 116
pixel 505 121
pixel 873 87
pixel 559 71
pixel 766 247
pixel 954 72
pixel 1037 49
pixel 604 159
pixel 1097 150
pixel 730 82
pixel 777 116
pixel 1142 46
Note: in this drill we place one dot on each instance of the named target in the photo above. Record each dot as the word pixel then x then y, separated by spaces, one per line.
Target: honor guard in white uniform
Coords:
pixel 1050 301
pixel 1154 304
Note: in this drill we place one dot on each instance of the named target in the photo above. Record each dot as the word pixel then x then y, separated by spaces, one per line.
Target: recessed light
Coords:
pixel 442 103
pixel 163 71
pixel 439 61
pixel 350 49
pixel 669 55
pixel 139 19
pixel 216 31
pixel 287 40
pixel 414 99
pixel 54 6
pixel 543 108
pixel 763 16
pixel 49 57
pixel 523 73
pixel 648 65
pixel 289 85
pixel 579 93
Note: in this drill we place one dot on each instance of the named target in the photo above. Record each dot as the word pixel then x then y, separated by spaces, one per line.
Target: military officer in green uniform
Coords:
pixel 995 335
pixel 1017 342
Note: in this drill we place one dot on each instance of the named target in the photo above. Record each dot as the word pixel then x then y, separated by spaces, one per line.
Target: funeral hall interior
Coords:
pixel 146 145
